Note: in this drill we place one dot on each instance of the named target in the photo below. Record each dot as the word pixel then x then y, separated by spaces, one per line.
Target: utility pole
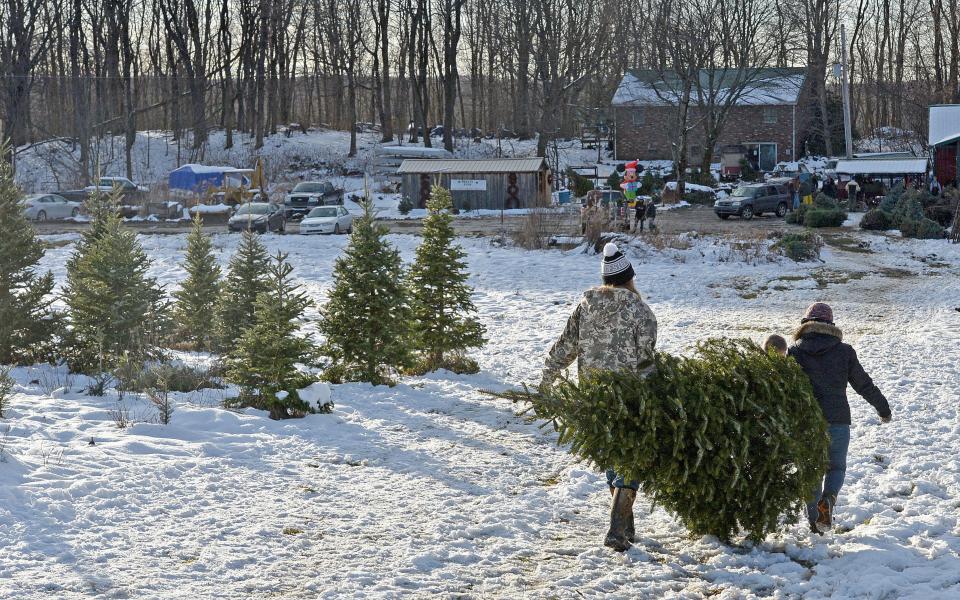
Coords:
pixel 845 88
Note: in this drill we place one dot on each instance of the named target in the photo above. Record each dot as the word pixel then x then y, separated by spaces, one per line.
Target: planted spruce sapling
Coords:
pixel 114 307
pixel 265 362
pixel 199 292
pixel 444 323
pixel 365 319
pixel 246 279
pixel 27 322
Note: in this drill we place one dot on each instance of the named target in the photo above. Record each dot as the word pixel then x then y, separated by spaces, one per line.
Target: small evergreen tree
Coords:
pixel 27 323
pixel 442 323
pixel 365 318
pixel 264 363
pixel 613 180
pixel 198 295
pixel 245 281
pixel 114 307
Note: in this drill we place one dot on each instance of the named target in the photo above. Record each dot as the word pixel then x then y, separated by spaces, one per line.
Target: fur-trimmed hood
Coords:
pixel 818 327
pixel 814 337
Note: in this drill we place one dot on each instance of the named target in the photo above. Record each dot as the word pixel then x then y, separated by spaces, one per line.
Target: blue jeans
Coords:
pixel 833 481
pixel 796 201
pixel 616 481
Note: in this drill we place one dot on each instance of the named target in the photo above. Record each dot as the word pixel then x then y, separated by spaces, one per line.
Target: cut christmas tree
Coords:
pixel 730 439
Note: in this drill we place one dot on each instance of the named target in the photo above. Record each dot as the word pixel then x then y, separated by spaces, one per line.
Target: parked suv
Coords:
pixel 748 201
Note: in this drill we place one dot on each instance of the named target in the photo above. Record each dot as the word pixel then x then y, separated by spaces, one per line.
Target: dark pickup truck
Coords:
pixel 307 195
pixel 130 193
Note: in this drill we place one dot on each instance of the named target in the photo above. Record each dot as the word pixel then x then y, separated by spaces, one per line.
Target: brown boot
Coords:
pixel 621 512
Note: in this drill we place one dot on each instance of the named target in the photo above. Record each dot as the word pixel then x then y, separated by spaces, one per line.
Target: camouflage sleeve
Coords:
pixel 564 350
pixel 646 336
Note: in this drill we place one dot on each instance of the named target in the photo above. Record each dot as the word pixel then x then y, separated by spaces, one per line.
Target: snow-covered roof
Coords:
pixel 882 166
pixel 766 87
pixel 414 152
pixel 493 165
pixel 947 140
pixel 944 123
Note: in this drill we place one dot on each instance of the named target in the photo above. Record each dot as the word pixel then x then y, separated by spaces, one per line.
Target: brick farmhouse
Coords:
pixel 765 119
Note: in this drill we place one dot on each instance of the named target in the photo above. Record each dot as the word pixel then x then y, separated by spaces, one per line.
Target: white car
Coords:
pixel 327 219
pixel 40 207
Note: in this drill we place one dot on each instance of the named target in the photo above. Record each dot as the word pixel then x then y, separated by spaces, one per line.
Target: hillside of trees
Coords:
pixel 85 68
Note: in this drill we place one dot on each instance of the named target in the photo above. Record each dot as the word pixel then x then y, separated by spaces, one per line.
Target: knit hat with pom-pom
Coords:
pixel 615 268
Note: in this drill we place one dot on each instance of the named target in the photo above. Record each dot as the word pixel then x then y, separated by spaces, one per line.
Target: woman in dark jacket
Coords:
pixel 830 364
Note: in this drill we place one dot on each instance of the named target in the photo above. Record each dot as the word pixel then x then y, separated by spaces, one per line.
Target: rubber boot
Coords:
pixel 620 512
pixel 630 531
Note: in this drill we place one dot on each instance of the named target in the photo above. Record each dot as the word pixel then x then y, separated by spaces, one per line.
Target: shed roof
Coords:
pixel 944 123
pixel 882 166
pixel 766 87
pixel 950 139
pixel 493 165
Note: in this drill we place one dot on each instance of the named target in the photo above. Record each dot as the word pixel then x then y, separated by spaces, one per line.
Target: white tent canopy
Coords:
pixel 882 166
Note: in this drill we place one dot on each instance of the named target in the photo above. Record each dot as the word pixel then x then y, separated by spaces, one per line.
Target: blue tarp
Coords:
pixel 194 178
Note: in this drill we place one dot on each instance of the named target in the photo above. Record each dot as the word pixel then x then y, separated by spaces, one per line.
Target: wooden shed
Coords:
pixel 492 184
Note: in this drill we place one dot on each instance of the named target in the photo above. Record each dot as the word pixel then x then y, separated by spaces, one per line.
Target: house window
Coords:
pixel 695 150
pixel 769 115
pixel 637 117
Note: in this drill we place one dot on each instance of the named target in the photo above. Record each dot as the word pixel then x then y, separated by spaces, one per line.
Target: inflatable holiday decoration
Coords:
pixel 630 184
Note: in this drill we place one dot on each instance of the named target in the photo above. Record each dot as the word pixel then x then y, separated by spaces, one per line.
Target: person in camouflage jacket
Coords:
pixel 611 329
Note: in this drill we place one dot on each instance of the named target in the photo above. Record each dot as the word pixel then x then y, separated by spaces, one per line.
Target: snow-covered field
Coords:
pixel 430 489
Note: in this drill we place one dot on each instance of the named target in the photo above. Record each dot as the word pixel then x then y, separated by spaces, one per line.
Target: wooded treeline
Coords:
pixel 83 68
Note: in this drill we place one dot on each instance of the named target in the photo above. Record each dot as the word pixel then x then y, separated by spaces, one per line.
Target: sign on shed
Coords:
pixel 468 185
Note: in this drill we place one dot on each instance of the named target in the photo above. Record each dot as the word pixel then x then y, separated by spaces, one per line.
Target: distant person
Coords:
pixel 586 212
pixel 611 329
pixel 853 192
pixel 639 215
pixel 934 186
pixel 831 365
pixel 795 192
pixel 651 213
pixel 830 187
pixel 775 343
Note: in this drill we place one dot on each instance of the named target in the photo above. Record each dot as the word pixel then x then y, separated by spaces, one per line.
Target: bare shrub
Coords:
pixel 120 414
pixel 51 381
pixel 160 397
pixel 538 228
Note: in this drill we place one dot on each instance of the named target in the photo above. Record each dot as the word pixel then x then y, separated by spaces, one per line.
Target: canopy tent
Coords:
pixel 196 178
pixel 883 167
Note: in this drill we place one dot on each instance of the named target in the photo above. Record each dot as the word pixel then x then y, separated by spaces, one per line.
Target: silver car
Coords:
pixel 327 219
pixel 40 207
